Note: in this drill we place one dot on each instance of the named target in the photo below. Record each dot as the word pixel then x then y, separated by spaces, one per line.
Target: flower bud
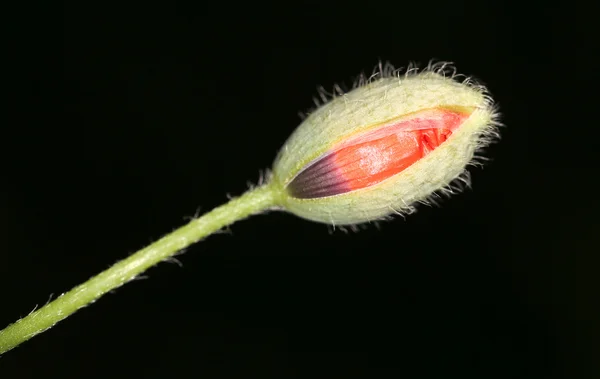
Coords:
pixel 383 146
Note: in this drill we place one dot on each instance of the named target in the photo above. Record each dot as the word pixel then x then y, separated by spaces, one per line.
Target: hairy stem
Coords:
pixel 251 202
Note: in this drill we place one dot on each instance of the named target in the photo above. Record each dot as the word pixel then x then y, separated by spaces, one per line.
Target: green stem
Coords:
pixel 251 202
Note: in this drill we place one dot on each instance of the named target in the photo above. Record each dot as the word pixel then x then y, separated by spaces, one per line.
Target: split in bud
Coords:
pixel 383 146
pixel 376 155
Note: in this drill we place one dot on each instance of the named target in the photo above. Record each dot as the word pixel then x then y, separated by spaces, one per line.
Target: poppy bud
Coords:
pixel 383 146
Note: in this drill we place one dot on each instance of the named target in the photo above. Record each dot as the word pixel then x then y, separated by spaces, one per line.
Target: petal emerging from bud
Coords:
pixel 376 155
pixel 383 146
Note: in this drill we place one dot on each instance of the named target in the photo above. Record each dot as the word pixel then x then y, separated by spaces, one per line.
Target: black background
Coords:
pixel 130 118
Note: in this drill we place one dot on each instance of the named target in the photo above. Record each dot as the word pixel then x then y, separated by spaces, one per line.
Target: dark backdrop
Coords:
pixel 129 118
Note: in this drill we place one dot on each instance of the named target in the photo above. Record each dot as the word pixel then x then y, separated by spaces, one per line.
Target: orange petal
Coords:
pixel 372 157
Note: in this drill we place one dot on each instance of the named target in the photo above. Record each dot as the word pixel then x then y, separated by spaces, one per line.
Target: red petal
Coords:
pixel 377 155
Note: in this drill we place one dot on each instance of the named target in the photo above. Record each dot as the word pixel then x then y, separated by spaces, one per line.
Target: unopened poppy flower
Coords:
pixel 391 142
pixel 383 146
